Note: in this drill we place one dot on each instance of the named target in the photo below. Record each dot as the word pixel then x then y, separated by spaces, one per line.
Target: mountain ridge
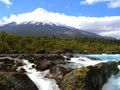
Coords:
pixel 45 29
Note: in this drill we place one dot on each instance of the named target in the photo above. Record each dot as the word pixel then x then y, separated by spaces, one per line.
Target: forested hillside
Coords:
pixel 10 43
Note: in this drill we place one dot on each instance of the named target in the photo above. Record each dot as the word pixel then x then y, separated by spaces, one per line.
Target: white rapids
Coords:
pixel 114 81
pixel 49 84
pixel 39 77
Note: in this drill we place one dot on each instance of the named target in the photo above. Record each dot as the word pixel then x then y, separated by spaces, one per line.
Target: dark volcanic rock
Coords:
pixel 118 62
pixel 10 79
pixel 84 78
pixel 99 74
pixel 16 81
pixel 74 80
pixel 43 65
pixel 58 73
pixel 44 62
pixel 9 65
pixel 22 70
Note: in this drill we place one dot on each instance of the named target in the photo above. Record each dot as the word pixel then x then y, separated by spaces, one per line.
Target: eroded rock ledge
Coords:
pixel 16 81
pixel 10 79
pixel 84 78
pixel 44 62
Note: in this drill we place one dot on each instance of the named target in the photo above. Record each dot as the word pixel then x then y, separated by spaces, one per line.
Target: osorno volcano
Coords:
pixel 45 29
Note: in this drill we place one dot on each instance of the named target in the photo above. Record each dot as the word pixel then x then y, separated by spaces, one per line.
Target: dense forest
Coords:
pixel 10 43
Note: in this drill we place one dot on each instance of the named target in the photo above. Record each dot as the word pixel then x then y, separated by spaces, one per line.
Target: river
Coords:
pixel 78 60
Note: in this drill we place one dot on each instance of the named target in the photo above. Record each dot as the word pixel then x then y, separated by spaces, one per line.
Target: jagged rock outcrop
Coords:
pixel 11 79
pixel 9 64
pixel 99 74
pixel 44 62
pixel 84 78
pixel 58 73
pixel 15 81
pixel 118 62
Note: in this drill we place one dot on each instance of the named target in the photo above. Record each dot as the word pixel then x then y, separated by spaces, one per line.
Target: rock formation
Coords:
pixel 10 79
pixel 44 62
pixel 16 81
pixel 84 78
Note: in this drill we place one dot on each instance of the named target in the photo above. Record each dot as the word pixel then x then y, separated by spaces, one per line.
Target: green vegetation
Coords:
pixel 81 72
pixel 65 79
pixel 2 82
pixel 10 43
pixel 12 89
pixel 68 88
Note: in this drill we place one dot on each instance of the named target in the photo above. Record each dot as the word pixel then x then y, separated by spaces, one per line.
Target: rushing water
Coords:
pixel 86 60
pixel 38 77
pixel 114 81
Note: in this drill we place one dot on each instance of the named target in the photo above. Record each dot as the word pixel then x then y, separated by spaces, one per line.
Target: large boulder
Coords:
pixel 11 79
pixel 118 62
pixel 99 74
pixel 58 73
pixel 16 81
pixel 85 78
pixel 9 64
pixel 44 61
pixel 74 80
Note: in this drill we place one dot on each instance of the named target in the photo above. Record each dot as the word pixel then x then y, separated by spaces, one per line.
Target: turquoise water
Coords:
pixel 77 61
pixel 92 59
pixel 108 57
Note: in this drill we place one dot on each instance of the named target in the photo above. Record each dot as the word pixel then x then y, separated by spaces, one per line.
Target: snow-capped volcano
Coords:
pixel 38 15
pixel 39 21
pixel 43 29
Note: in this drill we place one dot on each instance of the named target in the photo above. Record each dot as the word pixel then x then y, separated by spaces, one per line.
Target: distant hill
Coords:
pixel 40 29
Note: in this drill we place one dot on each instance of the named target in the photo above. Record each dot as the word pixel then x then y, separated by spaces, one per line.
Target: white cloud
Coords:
pixel 91 1
pixel 7 2
pixel 111 33
pixel 107 26
pixel 114 4
pixel 110 3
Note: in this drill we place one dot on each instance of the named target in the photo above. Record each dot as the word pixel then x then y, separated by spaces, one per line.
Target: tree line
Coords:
pixel 10 43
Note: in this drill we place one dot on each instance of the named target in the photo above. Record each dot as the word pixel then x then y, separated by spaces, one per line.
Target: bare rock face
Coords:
pixel 84 78
pixel 118 62
pixel 10 79
pixel 58 73
pixel 44 62
pixel 9 64
pixel 15 81
pixel 99 75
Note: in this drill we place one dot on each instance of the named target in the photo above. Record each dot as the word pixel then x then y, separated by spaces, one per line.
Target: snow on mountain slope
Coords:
pixel 42 29
pixel 23 24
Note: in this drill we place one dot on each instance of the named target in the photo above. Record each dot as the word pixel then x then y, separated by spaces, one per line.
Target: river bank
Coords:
pixel 71 72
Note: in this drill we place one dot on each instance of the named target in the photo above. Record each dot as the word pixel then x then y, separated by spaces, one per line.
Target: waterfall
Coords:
pixel 113 82
pixel 39 77
pixel 49 84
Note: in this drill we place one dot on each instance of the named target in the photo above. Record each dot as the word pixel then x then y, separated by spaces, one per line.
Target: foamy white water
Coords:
pixel 38 77
pixel 114 81
pixel 86 61
pixel 50 84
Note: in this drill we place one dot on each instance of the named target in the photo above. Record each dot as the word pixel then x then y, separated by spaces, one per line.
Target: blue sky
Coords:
pixel 68 7
pixel 97 16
